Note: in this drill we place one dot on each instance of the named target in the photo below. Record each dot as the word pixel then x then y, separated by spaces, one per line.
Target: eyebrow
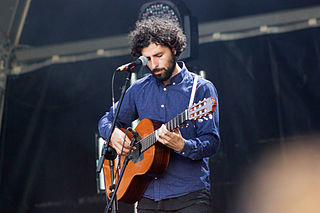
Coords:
pixel 156 54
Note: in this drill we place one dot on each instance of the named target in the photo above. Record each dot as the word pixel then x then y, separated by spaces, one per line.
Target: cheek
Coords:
pixel 165 62
pixel 149 65
pixel 169 63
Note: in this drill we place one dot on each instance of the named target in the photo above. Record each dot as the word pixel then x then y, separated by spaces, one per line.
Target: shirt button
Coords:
pixel 162 106
pixel 164 89
pixel 156 178
pixel 174 83
pixel 182 153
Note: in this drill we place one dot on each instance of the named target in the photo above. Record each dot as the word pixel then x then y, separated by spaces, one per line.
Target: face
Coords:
pixel 161 62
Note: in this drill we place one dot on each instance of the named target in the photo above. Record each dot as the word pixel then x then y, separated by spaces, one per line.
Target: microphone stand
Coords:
pixel 109 152
pixel 125 163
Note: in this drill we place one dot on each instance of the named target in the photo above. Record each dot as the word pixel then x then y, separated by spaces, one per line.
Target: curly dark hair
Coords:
pixel 163 31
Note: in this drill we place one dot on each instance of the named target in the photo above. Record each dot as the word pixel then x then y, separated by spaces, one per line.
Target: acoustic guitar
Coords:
pixel 150 158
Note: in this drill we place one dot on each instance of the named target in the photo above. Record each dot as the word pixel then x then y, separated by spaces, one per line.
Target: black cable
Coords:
pixel 119 156
pixel 112 92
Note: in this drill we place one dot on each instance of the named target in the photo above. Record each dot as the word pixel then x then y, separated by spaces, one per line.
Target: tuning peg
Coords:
pixel 210 116
pixel 205 118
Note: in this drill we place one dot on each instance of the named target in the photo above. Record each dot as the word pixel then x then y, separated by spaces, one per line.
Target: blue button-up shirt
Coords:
pixel 188 170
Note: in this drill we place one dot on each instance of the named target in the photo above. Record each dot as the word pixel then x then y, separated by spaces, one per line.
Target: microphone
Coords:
pixel 142 60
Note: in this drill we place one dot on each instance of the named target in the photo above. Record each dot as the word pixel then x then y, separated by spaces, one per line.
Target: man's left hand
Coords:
pixel 173 140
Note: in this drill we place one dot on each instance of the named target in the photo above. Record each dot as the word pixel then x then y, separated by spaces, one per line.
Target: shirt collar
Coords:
pixel 177 78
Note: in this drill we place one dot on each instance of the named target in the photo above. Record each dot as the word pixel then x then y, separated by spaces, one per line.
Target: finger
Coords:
pixel 118 144
pixel 127 145
pixel 163 141
pixel 128 141
pixel 157 134
pixel 159 138
pixel 164 128
pixel 117 150
pixel 166 136
pixel 125 151
pixel 118 147
pixel 177 131
pixel 160 135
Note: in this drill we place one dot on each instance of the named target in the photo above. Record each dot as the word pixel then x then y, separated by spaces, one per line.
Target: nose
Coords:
pixel 154 63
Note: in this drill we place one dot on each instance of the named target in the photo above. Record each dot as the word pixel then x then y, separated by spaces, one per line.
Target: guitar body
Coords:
pixel 152 163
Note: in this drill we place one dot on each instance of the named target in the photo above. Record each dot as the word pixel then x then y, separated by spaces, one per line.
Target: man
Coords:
pixel 184 187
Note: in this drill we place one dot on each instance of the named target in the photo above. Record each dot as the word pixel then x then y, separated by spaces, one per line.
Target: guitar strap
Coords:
pixel 194 87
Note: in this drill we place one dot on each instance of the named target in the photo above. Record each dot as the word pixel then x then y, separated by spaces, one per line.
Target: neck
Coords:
pixel 177 69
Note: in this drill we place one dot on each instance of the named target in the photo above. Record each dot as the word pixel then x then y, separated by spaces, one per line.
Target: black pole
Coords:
pixel 125 163
pixel 109 152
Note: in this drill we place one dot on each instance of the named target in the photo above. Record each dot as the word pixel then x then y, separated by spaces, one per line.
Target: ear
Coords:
pixel 174 51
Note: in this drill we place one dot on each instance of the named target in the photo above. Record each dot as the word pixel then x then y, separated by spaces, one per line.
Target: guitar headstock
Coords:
pixel 201 109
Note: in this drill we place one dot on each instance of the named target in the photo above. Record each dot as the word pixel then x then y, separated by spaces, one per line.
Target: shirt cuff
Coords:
pixel 187 148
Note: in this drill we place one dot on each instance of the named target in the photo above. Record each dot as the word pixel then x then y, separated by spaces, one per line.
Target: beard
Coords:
pixel 167 72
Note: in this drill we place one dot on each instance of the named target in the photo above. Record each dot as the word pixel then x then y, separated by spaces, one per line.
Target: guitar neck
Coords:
pixel 196 111
pixel 148 141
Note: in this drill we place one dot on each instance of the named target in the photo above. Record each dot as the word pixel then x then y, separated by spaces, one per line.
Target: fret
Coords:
pixel 147 142
pixel 168 125
pixel 176 120
pixel 181 118
pixel 151 140
pixel 142 142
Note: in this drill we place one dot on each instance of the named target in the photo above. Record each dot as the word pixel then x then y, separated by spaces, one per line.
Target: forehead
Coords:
pixel 154 49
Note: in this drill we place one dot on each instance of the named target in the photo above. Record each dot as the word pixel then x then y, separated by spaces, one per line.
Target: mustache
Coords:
pixel 157 69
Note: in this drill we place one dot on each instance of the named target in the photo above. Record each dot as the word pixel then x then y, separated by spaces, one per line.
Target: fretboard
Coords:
pixel 148 141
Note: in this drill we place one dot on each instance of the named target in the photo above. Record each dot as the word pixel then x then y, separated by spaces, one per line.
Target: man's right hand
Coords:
pixel 117 139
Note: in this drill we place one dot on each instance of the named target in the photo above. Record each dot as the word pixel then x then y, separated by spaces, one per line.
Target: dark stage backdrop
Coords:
pixel 268 90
